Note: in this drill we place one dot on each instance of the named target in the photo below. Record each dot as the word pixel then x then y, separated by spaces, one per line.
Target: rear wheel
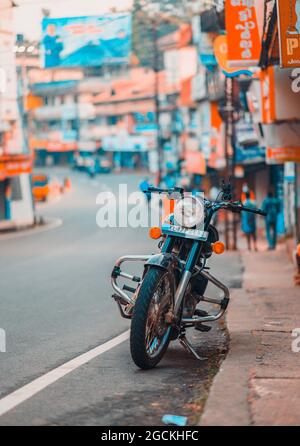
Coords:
pixel 150 332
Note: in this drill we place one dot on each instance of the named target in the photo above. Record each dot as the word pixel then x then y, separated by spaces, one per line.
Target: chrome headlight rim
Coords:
pixel 189 212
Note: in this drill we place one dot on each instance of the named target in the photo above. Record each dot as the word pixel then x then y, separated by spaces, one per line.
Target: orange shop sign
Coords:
pixel 53 146
pixel 282 155
pixel 11 167
pixel 289 32
pixel 221 53
pixel 244 44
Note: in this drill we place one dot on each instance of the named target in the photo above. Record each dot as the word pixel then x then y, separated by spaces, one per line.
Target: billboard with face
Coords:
pixel 86 41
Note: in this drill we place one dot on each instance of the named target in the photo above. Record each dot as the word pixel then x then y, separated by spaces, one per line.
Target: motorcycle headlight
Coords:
pixel 189 212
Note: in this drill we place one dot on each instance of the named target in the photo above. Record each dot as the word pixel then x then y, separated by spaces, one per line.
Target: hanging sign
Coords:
pixel 244 44
pixel 289 32
pixel 221 53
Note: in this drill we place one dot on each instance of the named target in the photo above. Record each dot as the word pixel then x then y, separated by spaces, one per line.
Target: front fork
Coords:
pixel 186 276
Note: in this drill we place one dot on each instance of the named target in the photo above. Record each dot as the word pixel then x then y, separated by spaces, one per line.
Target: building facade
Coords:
pixel 16 204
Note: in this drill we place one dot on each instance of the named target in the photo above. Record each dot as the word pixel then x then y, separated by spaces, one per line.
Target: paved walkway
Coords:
pixel 259 381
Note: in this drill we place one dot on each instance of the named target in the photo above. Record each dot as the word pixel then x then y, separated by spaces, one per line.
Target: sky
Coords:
pixel 28 16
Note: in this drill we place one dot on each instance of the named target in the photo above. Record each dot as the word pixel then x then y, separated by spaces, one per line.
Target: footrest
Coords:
pixel 203 328
pixel 201 313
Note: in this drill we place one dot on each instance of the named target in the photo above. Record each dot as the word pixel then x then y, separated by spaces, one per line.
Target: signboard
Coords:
pixel 249 155
pixel 15 165
pixel 127 143
pixel 86 41
pixel 221 53
pixel 282 155
pixel 289 32
pixel 54 145
pixel 244 44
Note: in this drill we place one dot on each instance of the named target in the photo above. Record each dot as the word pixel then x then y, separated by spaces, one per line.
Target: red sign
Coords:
pixel 244 45
pixel 282 155
pixel 14 165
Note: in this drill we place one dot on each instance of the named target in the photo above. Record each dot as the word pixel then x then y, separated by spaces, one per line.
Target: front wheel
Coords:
pixel 150 332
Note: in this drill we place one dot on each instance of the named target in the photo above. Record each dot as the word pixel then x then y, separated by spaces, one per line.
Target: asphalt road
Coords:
pixel 55 305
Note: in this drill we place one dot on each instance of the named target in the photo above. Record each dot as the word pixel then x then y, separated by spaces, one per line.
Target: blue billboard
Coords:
pixel 86 41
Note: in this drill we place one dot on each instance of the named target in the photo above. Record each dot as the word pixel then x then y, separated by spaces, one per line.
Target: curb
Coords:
pixel 51 223
pixel 227 404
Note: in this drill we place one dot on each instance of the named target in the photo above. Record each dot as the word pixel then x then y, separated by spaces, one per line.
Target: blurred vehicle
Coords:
pixel 83 161
pixel 91 164
pixel 101 165
pixel 44 187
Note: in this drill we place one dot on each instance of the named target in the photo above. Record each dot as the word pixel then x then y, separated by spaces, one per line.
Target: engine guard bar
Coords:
pixel 127 300
pixel 223 301
pixel 118 273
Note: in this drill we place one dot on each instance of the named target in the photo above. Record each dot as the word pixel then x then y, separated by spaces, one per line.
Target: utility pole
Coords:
pixel 230 226
pixel 156 100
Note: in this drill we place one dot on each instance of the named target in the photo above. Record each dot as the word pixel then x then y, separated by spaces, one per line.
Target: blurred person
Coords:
pixel 271 205
pixel 144 188
pixel 53 46
pixel 246 189
pixel 8 197
pixel 249 222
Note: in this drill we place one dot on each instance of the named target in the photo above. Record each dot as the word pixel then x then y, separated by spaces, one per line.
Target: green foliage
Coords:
pixel 147 29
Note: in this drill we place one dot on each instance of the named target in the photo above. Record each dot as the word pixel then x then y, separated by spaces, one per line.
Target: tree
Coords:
pixel 146 30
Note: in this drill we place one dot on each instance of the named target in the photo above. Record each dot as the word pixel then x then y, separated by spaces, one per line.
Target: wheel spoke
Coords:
pixel 157 329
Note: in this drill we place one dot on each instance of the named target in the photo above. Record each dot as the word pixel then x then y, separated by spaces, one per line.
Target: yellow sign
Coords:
pixel 289 32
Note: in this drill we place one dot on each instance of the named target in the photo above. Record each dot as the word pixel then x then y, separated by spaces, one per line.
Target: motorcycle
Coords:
pixel 164 302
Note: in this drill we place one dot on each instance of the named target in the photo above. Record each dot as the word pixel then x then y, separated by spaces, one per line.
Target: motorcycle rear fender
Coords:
pixel 167 262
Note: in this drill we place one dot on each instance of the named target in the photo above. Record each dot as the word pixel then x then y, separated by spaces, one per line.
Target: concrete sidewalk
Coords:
pixel 259 381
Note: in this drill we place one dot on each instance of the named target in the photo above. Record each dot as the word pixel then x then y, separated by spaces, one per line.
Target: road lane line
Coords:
pixel 26 392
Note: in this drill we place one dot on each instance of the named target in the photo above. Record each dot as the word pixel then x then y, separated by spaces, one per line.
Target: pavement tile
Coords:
pixel 259 381
pixel 275 358
pixel 275 402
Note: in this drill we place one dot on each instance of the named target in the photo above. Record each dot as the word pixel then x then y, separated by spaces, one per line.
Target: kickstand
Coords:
pixel 187 346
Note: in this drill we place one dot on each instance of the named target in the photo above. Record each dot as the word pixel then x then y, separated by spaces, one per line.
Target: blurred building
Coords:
pixel 217 120
pixel 255 136
pixel 16 205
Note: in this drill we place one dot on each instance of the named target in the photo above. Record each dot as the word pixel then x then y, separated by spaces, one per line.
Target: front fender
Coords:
pixel 167 262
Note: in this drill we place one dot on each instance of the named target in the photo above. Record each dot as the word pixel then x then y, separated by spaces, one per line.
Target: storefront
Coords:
pixel 16 204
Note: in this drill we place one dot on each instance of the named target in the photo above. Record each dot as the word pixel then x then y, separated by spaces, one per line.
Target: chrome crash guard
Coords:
pixel 123 300
pixel 164 261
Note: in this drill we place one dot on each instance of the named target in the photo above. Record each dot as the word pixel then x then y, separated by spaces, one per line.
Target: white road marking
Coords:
pixel 26 392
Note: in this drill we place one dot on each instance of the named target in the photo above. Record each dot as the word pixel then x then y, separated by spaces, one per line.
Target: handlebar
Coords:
pixel 254 211
pixel 229 205
pixel 158 190
pixel 238 207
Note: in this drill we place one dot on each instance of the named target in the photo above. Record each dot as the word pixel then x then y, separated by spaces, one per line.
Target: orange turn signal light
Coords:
pixel 155 232
pixel 218 248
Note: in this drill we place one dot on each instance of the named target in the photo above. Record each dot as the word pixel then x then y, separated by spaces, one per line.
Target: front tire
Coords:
pixel 155 299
